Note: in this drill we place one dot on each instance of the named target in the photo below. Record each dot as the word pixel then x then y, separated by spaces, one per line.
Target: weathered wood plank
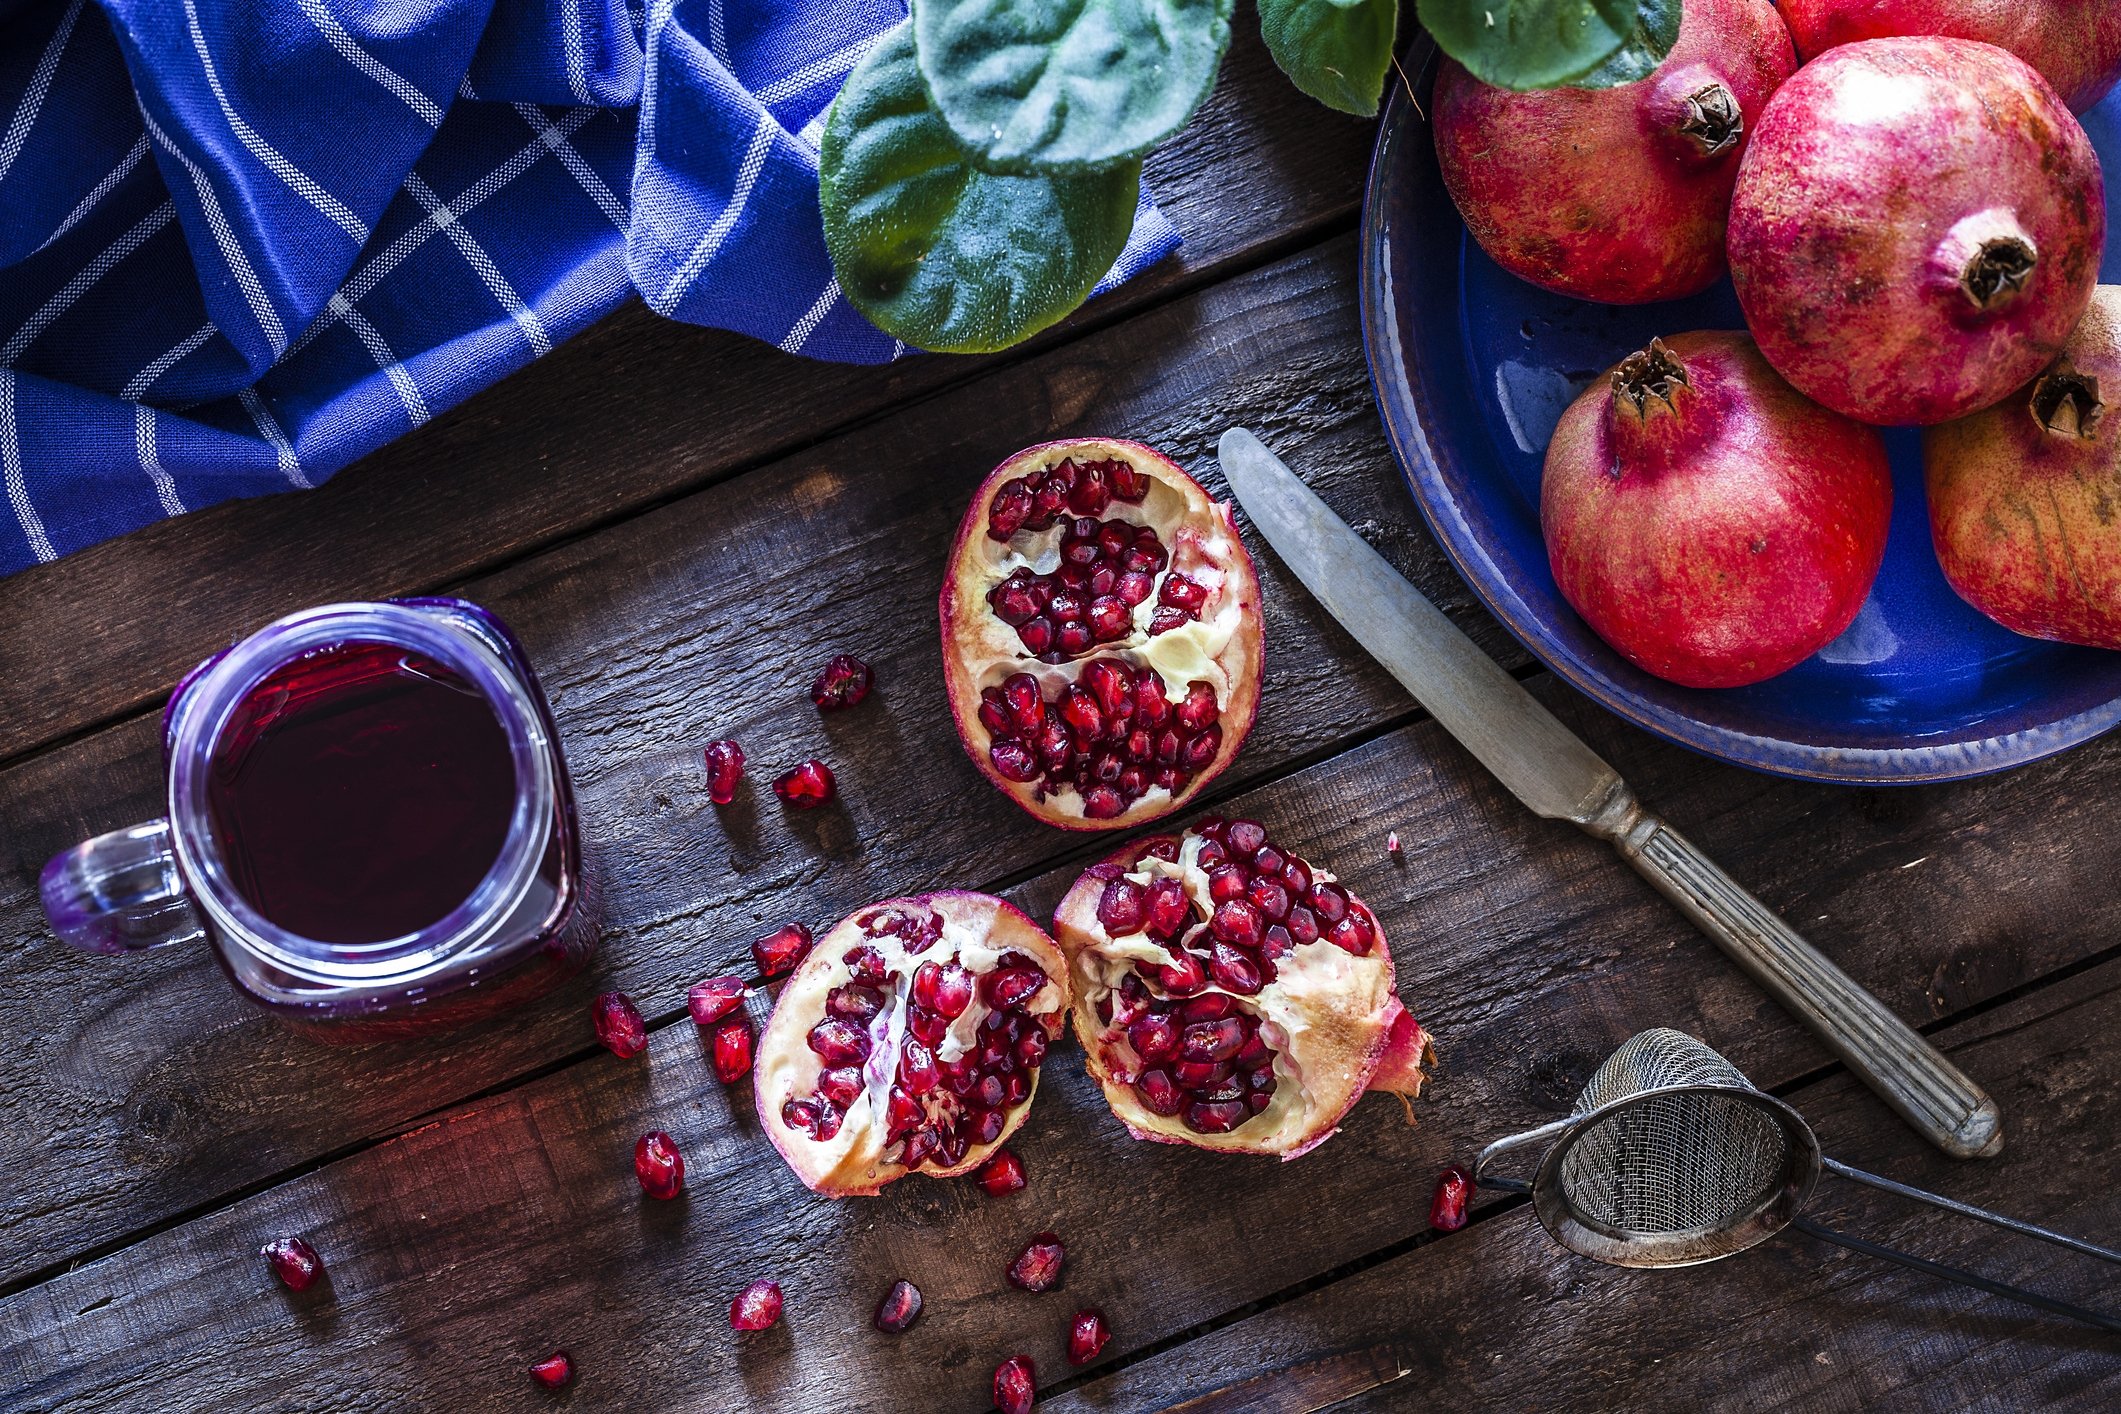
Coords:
pixel 705 618
pixel 462 1250
pixel 635 411
pixel 1497 1317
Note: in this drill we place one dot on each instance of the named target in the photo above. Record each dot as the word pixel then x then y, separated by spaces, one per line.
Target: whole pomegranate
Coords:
pixel 909 1039
pixel 2075 44
pixel 1615 194
pixel 2023 496
pixel 1230 995
pixel 1712 525
pixel 1101 633
pixel 1916 229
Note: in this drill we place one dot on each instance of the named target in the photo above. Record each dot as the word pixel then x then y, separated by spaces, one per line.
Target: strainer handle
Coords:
pixel 1957 1274
pixel 1501 1147
pixel 1887 1054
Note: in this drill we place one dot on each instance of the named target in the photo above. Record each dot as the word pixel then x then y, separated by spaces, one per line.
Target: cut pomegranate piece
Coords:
pixel 844 683
pixel 1087 1335
pixel 731 1043
pixel 910 1038
pixel 1038 1266
pixel 756 1307
pixel 554 1370
pixel 293 1261
pixel 807 786
pixel 1002 1175
pixel 725 767
pixel 1015 1385
pixel 1101 633
pixel 899 1309
pixel 658 1165
pixel 715 998
pixel 1454 1191
pixel 1246 1005
pixel 619 1025
pixel 781 950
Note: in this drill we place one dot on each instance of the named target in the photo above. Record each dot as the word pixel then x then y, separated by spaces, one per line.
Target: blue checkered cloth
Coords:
pixel 243 242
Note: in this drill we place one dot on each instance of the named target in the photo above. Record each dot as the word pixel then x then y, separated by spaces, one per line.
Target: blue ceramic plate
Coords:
pixel 1472 369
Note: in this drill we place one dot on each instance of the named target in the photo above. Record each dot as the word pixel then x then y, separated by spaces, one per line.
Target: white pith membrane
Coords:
pixel 1200 539
pixel 1333 1019
pixel 976 931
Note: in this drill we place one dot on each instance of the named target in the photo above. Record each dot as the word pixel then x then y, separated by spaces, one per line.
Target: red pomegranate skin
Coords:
pixel 1916 228
pixel 1721 529
pixel 2025 497
pixel 1616 194
pixel 2075 44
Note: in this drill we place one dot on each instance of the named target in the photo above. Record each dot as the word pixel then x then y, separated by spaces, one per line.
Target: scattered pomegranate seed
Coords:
pixel 293 1261
pixel 619 1025
pixel 756 1307
pixel 899 1309
pixel 1014 1385
pixel 1447 1210
pixel 658 1164
pixel 844 683
pixel 779 951
pixel 554 1370
pixel 807 786
pixel 1001 1175
pixel 1038 1266
pixel 1087 1335
pixel 715 998
pixel 725 767
pixel 1392 843
pixel 731 1042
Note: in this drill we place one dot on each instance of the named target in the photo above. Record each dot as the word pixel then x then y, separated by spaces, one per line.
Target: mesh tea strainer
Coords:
pixel 1671 1158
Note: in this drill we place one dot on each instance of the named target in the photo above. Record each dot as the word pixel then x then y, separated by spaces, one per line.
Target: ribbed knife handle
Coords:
pixel 1908 1073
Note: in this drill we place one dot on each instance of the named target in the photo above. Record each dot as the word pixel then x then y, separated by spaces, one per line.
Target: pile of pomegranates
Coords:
pixel 1231 995
pixel 1913 219
pixel 1101 633
pixel 909 1040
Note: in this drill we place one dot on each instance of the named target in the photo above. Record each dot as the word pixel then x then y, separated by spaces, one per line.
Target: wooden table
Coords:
pixel 683 525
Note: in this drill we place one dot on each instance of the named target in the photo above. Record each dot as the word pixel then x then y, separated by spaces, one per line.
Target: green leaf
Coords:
pixel 1530 43
pixel 937 250
pixel 1068 85
pixel 1656 31
pixel 1338 51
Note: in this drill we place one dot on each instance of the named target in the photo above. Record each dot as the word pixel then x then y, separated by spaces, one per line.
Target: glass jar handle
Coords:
pixel 120 893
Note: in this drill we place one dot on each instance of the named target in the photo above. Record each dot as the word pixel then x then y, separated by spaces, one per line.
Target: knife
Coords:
pixel 1550 769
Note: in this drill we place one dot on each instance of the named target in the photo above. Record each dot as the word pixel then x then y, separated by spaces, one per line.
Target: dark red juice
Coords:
pixel 361 793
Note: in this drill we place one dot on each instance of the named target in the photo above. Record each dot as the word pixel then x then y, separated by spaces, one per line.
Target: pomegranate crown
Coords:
pixel 2066 402
pixel 1651 375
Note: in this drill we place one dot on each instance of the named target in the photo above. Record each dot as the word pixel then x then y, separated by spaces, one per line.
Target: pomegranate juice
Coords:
pixel 361 793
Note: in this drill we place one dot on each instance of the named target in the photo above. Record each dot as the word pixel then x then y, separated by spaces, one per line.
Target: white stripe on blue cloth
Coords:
pixel 577 65
pixel 151 461
pixel 747 175
pixel 379 349
pixel 84 280
pixel 269 428
pixel 86 204
pixel 231 250
pixel 350 49
pixel 573 161
pixel 40 84
pixel 40 544
pixel 815 72
pixel 814 316
pixel 163 362
pixel 475 256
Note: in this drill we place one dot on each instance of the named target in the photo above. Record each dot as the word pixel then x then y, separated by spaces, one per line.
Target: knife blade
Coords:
pixel 1552 771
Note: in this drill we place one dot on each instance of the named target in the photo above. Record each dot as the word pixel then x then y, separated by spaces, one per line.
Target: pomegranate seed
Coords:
pixel 1001 1175
pixel 658 1164
pixel 1167 908
pixel 1015 1385
pixel 1087 1335
pixel 1123 907
pixel 1012 507
pixel 1246 837
pixel 1198 713
pixel 1303 925
pixel 715 998
pixel 1353 933
pixel 1226 884
pixel 852 1003
pixel 1213 1040
pixel 807 786
pixel 1155 1038
pixel 868 966
pixel 844 683
pixel 293 1261
pixel 1038 1266
pixel 1159 1093
pixel 1447 1209
pixel 554 1370
pixel 899 1309
pixel 619 1025
pixel 1233 971
pixel 1329 902
pixel 839 1042
pixel 1217 1118
pixel 841 1085
pixel 1269 897
pixel 1031 1049
pixel 945 989
pixel 1182 976
pixel 1010 987
pixel 1013 761
pixel 916 1068
pixel 1238 922
pixel 927 1027
pixel 1213 1007
pixel 781 950
pixel 756 1307
pixel 1392 843
pixel 731 1046
pixel 725 767
pixel 1202 1074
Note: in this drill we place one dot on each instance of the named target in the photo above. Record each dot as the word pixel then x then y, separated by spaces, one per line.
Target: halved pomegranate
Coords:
pixel 1232 996
pixel 1101 633
pixel 910 1039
